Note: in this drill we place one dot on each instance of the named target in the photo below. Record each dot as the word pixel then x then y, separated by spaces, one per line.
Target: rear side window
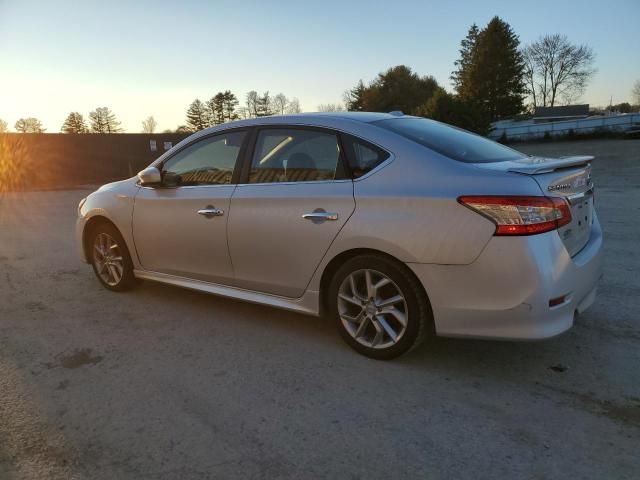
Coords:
pixel 363 156
pixel 450 141
pixel 295 155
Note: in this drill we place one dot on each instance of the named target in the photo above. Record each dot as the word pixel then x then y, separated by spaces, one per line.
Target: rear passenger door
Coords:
pixel 292 200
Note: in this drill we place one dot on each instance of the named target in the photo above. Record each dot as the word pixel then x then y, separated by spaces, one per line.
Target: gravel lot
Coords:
pixel 168 383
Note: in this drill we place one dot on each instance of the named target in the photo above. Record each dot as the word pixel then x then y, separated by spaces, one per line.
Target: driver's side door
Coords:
pixel 180 227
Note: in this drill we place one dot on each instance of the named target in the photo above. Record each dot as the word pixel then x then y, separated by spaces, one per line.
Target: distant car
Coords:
pixel 399 227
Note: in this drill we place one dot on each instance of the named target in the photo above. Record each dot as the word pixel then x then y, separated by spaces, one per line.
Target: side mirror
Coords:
pixel 150 176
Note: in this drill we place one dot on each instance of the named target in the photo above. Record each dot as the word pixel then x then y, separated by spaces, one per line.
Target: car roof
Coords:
pixel 306 118
pixel 322 119
pixel 366 117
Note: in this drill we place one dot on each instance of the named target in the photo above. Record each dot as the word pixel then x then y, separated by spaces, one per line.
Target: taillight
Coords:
pixel 514 215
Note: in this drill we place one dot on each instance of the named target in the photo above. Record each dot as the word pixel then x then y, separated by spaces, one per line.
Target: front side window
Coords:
pixel 295 155
pixel 210 161
pixel 452 142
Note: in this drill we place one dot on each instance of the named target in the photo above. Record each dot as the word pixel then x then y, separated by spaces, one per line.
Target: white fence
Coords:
pixel 527 130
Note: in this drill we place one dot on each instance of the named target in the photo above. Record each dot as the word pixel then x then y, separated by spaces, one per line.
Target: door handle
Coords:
pixel 210 211
pixel 320 216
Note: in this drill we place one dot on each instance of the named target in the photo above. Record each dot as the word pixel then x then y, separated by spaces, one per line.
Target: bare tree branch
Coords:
pixel 557 70
pixel 149 125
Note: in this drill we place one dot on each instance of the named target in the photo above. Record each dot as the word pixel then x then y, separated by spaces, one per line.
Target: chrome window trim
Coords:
pixel 208 185
pixel 306 182
pixel 227 128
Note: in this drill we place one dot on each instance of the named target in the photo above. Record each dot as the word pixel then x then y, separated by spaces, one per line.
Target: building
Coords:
pixel 567 120
pixel 558 114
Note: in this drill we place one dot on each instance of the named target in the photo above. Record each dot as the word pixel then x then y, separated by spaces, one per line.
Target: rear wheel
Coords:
pixel 110 258
pixel 379 307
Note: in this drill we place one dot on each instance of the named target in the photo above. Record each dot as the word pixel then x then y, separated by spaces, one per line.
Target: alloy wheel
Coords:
pixel 372 309
pixel 108 259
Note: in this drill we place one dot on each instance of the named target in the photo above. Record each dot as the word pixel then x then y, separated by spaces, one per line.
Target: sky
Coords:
pixel 155 57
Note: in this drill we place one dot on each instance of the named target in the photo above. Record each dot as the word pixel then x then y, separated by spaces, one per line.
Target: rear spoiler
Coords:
pixel 536 165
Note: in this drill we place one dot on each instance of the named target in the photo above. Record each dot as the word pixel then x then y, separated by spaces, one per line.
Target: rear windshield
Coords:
pixel 450 141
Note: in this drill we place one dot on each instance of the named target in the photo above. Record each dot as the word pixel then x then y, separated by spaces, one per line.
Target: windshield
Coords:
pixel 450 141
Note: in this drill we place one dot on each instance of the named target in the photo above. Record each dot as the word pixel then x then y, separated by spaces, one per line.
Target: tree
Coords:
pixel 451 109
pixel 74 123
pixel 636 93
pixel 490 70
pixel 280 103
pixel 354 98
pixel 624 107
pixel 229 104
pixel 29 125
pixel 251 102
pixel 4 127
pixel 198 116
pixel 294 106
pixel 243 112
pixel 149 125
pixel 331 107
pixel 263 105
pixel 221 108
pixel 467 47
pixel 215 109
pixel 398 88
pixel 183 129
pixel 103 120
pixel 557 70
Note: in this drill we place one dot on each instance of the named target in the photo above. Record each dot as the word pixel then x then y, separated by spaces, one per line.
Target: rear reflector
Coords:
pixel 519 215
pixel 554 302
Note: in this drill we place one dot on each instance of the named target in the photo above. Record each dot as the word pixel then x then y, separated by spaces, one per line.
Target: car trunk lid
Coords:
pixel 566 177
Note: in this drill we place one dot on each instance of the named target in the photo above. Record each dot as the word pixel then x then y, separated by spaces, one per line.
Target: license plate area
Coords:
pixel 576 234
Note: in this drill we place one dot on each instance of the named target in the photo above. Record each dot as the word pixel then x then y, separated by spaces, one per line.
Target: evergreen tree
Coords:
pixel 263 107
pixel 221 108
pixel 229 104
pixel 75 123
pixel 354 98
pixel 492 74
pixel 399 88
pixel 215 109
pixel 467 46
pixel 103 120
pixel 451 109
pixel 198 116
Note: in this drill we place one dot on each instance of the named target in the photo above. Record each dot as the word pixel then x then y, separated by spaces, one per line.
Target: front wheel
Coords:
pixel 379 307
pixel 110 258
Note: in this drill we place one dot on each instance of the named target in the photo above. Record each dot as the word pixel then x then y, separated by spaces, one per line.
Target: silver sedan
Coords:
pixel 400 228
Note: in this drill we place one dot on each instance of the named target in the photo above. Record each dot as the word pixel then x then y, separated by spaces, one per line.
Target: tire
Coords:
pixel 350 309
pixel 115 263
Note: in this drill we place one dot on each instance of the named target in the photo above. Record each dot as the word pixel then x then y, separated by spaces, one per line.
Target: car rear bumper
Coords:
pixel 505 292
